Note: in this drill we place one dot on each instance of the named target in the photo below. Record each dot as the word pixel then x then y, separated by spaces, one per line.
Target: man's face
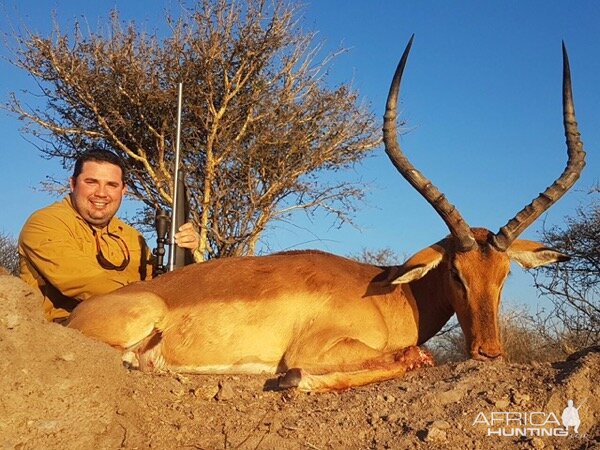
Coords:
pixel 97 192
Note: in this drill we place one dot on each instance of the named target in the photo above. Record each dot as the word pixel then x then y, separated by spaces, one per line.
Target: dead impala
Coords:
pixel 322 320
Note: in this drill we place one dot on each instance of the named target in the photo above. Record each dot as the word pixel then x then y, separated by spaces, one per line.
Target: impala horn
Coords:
pixel 575 164
pixel 448 212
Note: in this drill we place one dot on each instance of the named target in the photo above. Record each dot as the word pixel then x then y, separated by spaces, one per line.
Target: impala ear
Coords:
pixel 530 254
pixel 419 264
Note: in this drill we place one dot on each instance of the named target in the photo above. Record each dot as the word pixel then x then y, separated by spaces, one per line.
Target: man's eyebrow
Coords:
pixel 97 180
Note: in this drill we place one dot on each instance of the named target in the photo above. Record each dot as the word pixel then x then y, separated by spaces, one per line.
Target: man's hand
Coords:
pixel 187 237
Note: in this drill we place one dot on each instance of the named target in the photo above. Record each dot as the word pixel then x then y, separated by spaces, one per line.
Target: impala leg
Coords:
pixel 122 321
pixel 386 366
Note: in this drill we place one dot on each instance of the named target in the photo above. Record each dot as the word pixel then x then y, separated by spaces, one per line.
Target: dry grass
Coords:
pixel 523 338
pixel 9 256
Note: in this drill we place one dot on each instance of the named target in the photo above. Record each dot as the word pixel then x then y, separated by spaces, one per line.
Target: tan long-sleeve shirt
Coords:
pixel 58 255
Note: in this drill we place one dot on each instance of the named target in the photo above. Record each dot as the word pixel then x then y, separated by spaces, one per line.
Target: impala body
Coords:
pixel 324 321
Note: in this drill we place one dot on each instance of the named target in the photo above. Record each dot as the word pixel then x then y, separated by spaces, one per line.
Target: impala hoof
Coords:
pixel 291 379
pixel 415 357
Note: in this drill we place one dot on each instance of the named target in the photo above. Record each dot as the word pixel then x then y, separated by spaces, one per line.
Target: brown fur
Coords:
pixel 333 317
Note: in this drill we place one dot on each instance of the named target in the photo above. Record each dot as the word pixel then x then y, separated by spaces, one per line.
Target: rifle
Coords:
pixel 177 257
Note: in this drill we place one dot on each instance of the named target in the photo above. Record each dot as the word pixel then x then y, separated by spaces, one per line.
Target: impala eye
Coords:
pixel 455 275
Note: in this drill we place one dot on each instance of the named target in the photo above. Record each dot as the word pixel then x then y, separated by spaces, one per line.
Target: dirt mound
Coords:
pixel 58 390
pixel 61 390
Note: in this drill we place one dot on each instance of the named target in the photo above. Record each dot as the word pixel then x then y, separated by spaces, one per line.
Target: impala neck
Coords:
pixel 431 294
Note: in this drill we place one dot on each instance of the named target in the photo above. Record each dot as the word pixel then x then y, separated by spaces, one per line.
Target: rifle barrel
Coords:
pixel 175 181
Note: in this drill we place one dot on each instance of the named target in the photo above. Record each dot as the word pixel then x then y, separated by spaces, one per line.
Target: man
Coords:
pixel 77 248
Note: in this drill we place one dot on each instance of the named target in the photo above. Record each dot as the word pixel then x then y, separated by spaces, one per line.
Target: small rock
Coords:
pixel 181 378
pixel 48 426
pixel 436 431
pixel 12 320
pixel 390 417
pixel 503 403
pixel 225 392
pixel 435 435
pixel 538 443
pixel 70 357
pixel 441 424
pixel 373 419
pixel 205 392
pixel 179 393
pixel 518 399
pixel 451 396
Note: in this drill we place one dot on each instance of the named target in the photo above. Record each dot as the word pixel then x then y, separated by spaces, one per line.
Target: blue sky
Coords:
pixel 481 95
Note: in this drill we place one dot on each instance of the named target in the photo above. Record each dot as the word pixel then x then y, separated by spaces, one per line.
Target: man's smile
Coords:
pixel 99 204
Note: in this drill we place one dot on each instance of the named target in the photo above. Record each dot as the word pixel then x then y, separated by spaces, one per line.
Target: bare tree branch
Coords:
pixel 262 130
pixel 573 287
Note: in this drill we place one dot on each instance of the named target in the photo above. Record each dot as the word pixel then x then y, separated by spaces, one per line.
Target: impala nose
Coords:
pixel 487 353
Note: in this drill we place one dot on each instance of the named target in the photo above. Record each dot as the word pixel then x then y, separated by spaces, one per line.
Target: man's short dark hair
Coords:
pixel 99 156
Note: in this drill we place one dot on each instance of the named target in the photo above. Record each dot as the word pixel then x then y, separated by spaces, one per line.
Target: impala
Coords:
pixel 323 321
